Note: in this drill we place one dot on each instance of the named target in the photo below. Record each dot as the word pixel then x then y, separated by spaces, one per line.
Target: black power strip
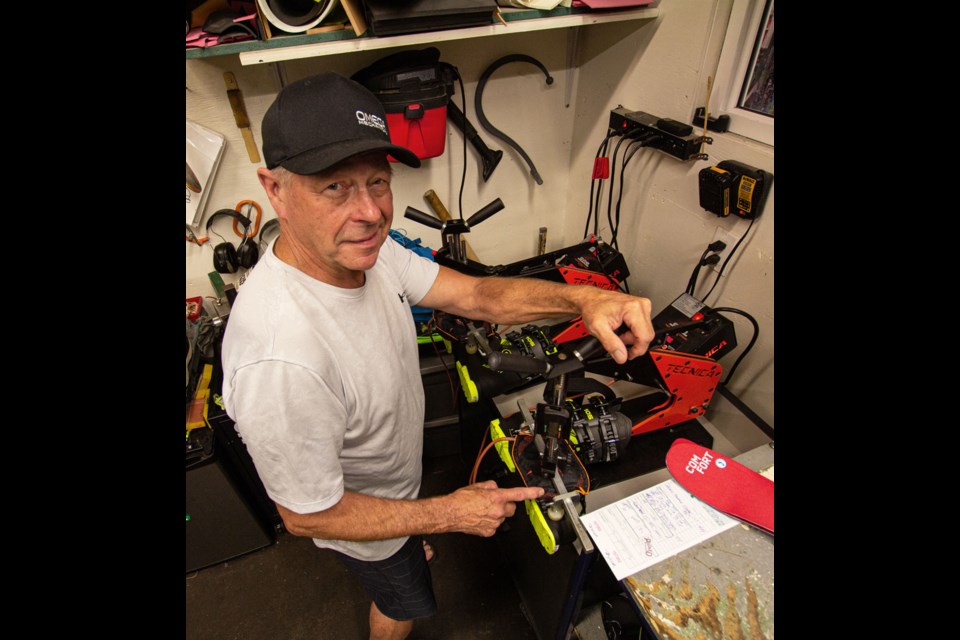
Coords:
pixel 675 138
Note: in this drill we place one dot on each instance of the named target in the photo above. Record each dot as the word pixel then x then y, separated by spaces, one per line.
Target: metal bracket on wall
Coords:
pixel 720 124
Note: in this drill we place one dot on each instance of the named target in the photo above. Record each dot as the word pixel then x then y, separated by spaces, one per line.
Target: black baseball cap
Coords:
pixel 316 122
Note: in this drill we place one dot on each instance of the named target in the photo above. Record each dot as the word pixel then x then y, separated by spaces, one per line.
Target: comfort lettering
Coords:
pixel 698 464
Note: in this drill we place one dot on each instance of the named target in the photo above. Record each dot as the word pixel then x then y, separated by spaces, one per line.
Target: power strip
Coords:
pixel 675 138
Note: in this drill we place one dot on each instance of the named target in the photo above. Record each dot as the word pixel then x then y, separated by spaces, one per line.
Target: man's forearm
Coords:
pixel 361 517
pixel 511 301
pixel 518 300
pixel 477 509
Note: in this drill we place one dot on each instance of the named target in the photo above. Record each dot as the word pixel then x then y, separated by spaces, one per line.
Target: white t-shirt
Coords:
pixel 324 384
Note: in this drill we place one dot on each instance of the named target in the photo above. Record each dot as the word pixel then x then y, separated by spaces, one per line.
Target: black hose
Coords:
pixel 517 57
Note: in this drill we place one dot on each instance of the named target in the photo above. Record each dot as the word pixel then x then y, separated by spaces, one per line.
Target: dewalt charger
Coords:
pixel 733 187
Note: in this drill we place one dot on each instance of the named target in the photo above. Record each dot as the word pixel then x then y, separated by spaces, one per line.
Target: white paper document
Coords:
pixel 652 525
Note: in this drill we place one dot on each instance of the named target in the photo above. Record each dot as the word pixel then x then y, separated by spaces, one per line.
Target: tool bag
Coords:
pixel 414 88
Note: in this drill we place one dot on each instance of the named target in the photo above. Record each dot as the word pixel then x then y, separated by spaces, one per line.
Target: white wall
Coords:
pixel 662 68
pixel 517 100
pixel 659 66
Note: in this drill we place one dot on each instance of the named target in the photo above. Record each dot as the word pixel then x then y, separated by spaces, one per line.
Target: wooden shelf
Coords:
pixel 293 47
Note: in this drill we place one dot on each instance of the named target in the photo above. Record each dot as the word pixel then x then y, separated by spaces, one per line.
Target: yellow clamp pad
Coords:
pixel 503 448
pixel 468 386
pixel 204 383
pixel 541 527
pixel 197 409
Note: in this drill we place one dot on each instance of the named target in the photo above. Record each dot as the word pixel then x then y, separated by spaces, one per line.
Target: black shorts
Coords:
pixel 401 585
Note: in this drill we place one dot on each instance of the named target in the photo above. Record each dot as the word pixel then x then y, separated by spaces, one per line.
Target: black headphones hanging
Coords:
pixel 268 227
pixel 226 257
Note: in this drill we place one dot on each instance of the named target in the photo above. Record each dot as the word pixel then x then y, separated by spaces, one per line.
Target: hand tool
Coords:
pixel 240 115
pixel 437 205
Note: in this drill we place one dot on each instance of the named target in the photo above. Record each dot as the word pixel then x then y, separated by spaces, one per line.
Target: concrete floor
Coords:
pixel 293 590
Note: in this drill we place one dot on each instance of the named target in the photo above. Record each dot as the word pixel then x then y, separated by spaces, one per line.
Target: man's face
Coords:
pixel 336 221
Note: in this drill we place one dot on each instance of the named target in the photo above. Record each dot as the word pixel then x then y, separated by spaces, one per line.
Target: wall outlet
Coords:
pixel 730 240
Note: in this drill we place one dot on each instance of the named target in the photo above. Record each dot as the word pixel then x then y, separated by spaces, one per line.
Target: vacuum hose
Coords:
pixel 518 57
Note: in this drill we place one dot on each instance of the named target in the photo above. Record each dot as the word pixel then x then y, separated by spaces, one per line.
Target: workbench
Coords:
pixel 720 588
pixel 678 601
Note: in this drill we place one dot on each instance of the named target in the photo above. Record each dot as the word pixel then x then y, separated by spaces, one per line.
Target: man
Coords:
pixel 320 357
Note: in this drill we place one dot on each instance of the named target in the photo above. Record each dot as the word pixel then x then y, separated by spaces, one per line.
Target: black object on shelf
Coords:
pixel 394 17
pixel 720 124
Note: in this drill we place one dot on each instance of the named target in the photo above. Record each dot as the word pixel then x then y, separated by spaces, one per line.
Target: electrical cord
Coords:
pixel 706 260
pixel 613 178
pixel 463 177
pixel 601 152
pixel 463 100
pixel 476 465
pixel 631 151
pixel 595 203
pixel 746 350
pixel 513 455
pixel 446 369
pixel 729 256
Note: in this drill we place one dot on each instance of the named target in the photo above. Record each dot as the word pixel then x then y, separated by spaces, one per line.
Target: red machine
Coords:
pixel 581 421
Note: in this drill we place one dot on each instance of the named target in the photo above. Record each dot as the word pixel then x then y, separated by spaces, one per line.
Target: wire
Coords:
pixel 453 386
pixel 628 153
pixel 615 222
pixel 463 100
pixel 695 275
pixel 613 178
pixel 708 258
pixel 601 151
pixel 476 465
pixel 753 340
pixel 463 177
pixel 729 256
pixel 631 151
pixel 483 440
pixel 585 474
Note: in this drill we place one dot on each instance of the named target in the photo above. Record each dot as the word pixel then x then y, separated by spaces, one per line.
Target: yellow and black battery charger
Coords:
pixel 734 187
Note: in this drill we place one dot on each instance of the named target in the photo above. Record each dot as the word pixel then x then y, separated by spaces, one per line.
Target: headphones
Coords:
pixel 226 257
pixel 268 227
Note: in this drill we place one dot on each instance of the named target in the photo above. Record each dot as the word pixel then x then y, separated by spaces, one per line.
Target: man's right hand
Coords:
pixel 480 508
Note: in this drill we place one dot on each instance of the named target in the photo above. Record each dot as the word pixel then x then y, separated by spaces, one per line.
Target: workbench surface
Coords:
pixel 720 588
